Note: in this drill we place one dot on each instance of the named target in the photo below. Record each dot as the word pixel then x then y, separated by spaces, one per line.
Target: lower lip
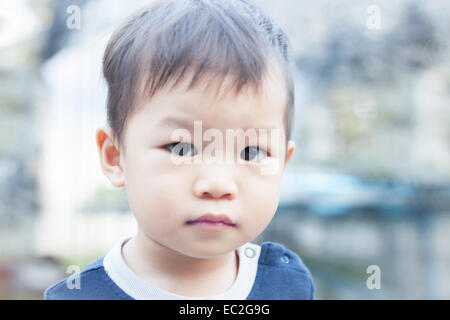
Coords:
pixel 209 226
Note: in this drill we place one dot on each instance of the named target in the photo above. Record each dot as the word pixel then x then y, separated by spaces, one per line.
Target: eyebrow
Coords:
pixel 177 122
pixel 189 124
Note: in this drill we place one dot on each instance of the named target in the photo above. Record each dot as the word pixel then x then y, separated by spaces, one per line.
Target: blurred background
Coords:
pixel 369 183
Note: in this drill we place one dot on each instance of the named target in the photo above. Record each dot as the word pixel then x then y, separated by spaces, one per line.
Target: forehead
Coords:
pixel 218 104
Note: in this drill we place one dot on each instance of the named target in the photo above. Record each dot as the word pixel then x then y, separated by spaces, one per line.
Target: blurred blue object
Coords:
pixel 336 194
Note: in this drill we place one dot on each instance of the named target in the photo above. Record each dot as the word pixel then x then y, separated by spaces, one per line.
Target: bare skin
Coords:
pixel 163 271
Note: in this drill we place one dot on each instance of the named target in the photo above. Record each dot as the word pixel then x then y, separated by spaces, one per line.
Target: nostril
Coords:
pixel 228 196
pixel 207 195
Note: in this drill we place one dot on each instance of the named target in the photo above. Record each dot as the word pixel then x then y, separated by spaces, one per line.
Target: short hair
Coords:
pixel 217 38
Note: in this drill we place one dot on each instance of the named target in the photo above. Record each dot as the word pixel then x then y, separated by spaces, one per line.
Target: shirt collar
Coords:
pixel 141 289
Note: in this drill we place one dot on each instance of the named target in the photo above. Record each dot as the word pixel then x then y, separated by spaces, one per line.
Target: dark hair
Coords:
pixel 216 38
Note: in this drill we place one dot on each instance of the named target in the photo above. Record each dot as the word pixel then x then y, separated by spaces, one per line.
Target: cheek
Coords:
pixel 263 201
pixel 149 174
pixel 153 190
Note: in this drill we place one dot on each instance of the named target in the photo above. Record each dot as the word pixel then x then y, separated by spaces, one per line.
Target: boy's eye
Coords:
pixel 181 148
pixel 249 153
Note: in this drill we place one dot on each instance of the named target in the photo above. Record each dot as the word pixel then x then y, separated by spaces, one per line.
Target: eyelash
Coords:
pixel 176 143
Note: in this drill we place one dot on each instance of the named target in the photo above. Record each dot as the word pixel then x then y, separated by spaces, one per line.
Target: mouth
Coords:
pixel 213 219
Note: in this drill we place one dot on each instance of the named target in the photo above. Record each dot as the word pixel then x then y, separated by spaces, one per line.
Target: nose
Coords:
pixel 216 183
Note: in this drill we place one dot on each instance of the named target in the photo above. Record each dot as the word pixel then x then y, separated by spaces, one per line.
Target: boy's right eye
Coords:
pixel 181 148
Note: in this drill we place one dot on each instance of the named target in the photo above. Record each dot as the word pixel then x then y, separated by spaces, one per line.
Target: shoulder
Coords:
pixel 277 255
pixel 282 274
pixel 92 283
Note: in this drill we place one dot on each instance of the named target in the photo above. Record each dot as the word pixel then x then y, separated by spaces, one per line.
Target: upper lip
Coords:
pixel 214 218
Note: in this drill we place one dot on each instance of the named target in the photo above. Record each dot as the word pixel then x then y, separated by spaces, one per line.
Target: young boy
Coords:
pixel 172 69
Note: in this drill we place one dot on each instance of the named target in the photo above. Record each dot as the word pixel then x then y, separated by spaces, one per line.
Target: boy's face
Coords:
pixel 164 195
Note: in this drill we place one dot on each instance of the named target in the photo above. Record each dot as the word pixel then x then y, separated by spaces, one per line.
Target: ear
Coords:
pixel 110 159
pixel 289 152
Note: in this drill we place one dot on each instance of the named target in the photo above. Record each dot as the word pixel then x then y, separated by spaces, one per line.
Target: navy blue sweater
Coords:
pixel 281 274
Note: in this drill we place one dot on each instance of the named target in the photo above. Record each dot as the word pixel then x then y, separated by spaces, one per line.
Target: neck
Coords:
pixel 172 270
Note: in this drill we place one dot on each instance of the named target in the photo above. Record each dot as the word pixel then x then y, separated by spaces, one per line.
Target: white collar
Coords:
pixel 140 289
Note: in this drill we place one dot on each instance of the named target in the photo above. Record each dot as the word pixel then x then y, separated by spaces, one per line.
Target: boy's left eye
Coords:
pixel 181 148
pixel 249 153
